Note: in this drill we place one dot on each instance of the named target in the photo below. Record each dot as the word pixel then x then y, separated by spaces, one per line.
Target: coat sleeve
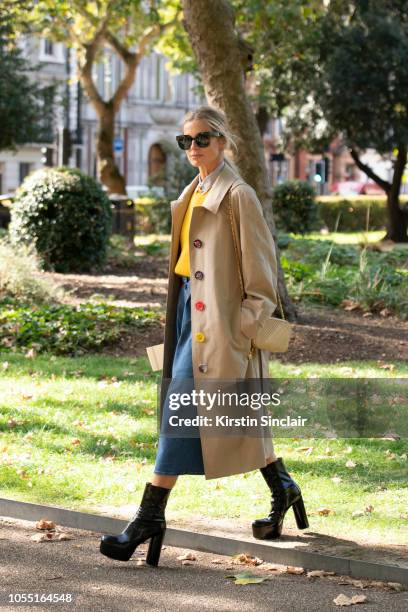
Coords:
pixel 258 257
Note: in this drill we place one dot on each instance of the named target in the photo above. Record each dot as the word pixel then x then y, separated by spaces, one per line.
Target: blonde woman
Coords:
pixel 209 333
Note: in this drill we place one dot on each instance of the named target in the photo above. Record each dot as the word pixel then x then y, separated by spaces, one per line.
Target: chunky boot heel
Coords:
pixel 299 511
pixel 147 524
pixel 153 554
pixel 285 493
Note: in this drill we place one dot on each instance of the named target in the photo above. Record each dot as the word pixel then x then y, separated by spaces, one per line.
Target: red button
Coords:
pixel 200 305
pixel 198 244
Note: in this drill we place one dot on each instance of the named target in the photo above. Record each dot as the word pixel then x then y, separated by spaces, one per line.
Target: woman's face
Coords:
pixel 206 157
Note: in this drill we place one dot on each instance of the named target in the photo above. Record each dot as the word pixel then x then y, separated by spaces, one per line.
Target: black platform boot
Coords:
pixel 148 523
pixel 285 493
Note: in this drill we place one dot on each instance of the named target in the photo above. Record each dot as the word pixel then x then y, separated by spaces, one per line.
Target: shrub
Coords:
pixel 66 216
pixel 295 208
pixel 20 276
pixel 154 215
pixel 353 212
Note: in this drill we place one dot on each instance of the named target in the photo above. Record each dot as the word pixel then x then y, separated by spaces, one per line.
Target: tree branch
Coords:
pixel 370 172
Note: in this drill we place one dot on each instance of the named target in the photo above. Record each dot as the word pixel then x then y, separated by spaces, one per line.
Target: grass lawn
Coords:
pixel 81 433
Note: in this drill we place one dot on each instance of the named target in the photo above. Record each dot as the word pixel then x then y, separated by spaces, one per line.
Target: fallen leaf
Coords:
pixel 64 536
pixel 357 513
pixel 324 511
pixel 343 600
pixel 45 524
pixel 336 479
pixel 247 578
pixel 42 537
pixel 319 574
pixel 294 570
pixel 187 557
pixel 350 464
pixel 247 559
pixel 369 508
pixel 396 586
pixel 387 366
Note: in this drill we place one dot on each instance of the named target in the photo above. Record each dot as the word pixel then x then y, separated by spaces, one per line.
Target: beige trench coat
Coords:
pixel 227 322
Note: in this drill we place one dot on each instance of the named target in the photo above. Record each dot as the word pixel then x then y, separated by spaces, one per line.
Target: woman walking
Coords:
pixel 209 333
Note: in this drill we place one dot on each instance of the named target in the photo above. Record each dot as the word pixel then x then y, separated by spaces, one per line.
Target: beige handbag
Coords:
pixel 156 354
pixel 274 334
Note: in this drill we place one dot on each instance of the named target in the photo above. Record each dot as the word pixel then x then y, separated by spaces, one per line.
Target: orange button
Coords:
pixel 199 337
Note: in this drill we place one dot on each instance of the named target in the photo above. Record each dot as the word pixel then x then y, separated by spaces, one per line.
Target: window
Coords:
pixel 48 47
pixel 24 170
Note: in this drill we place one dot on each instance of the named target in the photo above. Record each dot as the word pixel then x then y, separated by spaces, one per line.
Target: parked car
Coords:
pixel 347 188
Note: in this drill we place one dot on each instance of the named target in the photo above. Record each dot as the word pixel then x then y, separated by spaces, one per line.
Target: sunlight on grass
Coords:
pixel 81 433
pixel 346 237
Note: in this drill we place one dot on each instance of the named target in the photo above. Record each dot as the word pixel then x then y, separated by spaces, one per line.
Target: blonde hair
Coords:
pixel 217 121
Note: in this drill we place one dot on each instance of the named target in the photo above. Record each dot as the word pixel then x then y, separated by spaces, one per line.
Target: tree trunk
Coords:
pixel 397 218
pixel 108 171
pixel 210 26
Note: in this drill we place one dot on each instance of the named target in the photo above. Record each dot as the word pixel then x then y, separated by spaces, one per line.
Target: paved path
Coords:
pixel 101 584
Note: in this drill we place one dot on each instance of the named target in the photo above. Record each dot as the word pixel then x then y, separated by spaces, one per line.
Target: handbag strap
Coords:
pixel 234 238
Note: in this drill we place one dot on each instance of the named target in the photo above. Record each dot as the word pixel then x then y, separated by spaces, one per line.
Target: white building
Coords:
pixel 146 124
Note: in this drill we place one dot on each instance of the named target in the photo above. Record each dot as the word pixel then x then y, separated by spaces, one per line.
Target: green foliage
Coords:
pixel 328 273
pixel 22 116
pixel 20 275
pixel 66 216
pixel 65 329
pixel 154 215
pixel 294 207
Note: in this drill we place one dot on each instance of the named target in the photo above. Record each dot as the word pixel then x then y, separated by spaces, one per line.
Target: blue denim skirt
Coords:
pixel 180 455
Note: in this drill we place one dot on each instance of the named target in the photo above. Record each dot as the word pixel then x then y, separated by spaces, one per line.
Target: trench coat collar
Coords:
pixel 222 183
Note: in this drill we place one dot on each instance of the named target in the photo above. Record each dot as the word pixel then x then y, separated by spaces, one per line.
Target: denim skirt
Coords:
pixel 180 455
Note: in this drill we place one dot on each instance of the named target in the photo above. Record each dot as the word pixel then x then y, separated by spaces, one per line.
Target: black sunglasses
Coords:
pixel 202 139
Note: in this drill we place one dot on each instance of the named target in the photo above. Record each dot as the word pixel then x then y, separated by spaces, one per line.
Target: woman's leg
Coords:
pixel 161 480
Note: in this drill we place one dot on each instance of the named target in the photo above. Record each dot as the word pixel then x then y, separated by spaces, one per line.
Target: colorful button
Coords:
pixel 198 244
pixel 199 275
pixel 202 367
pixel 199 305
pixel 199 337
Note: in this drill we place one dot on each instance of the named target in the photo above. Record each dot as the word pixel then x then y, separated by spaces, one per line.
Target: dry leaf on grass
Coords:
pixel 323 511
pixel 357 513
pixel 350 464
pixel 336 479
pixel 343 600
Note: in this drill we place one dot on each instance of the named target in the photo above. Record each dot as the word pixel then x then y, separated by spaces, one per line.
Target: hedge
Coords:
pixel 354 212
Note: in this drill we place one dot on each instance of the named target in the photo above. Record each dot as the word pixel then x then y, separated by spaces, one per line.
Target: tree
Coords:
pixel 21 112
pixel 337 68
pixel 128 27
pixel 222 59
pixel 366 91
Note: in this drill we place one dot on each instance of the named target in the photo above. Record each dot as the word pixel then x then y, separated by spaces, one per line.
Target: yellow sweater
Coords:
pixel 183 263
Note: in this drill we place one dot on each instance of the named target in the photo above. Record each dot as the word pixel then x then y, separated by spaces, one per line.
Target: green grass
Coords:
pixel 81 433
pixel 348 237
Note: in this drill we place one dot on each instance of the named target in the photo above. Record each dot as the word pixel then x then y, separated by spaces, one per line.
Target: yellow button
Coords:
pixel 199 337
